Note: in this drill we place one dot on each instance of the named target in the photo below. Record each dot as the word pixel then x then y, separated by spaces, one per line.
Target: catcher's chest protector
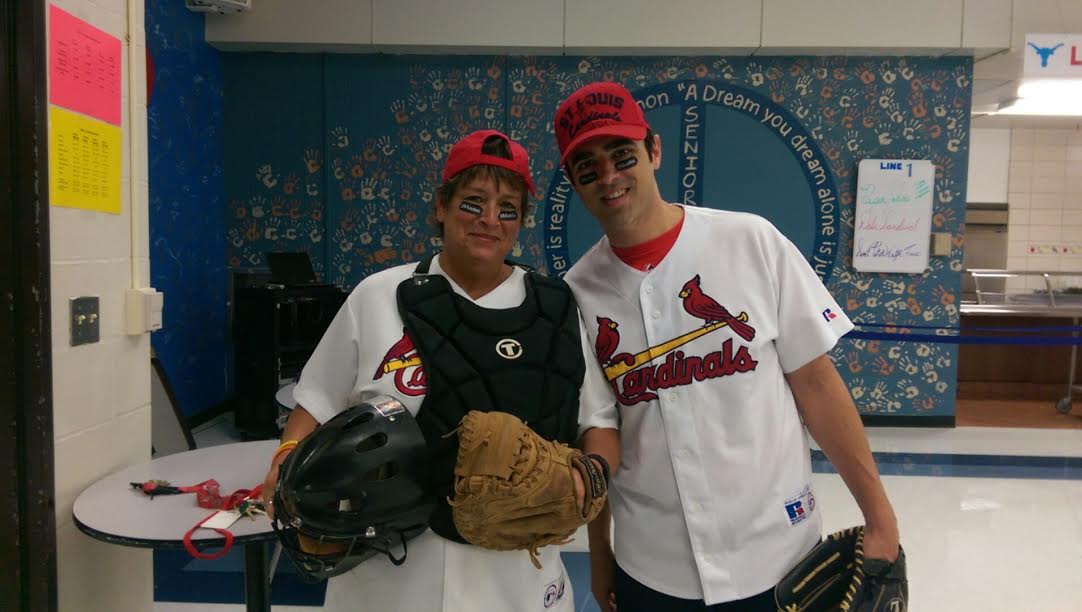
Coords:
pixel 526 361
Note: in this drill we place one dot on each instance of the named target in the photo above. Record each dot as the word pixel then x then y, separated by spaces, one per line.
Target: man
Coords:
pixel 713 331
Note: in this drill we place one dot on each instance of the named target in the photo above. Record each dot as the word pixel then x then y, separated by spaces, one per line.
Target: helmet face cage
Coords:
pixel 358 484
pixel 315 567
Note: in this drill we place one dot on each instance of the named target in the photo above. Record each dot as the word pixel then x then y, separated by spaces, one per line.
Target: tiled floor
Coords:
pixel 991 518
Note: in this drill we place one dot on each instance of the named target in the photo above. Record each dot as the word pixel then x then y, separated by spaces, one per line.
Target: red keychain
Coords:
pixel 207 495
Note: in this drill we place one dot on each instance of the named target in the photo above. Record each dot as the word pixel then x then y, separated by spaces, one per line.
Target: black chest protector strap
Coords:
pixel 525 360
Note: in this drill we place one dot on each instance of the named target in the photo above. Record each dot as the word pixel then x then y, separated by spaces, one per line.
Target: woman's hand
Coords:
pixel 270 481
pixel 300 424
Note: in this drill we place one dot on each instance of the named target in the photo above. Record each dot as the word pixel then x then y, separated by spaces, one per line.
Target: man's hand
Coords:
pixel 881 543
pixel 604 442
pixel 828 412
pixel 603 577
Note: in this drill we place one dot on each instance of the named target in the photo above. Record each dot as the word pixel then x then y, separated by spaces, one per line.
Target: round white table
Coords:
pixel 112 511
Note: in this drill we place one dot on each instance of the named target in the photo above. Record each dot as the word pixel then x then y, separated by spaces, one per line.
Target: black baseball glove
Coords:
pixel 835 576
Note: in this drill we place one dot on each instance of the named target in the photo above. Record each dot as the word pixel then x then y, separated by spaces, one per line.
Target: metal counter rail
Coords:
pixel 1052 302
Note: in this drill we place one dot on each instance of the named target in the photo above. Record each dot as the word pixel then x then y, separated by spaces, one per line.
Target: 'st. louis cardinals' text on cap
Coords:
pixel 598 109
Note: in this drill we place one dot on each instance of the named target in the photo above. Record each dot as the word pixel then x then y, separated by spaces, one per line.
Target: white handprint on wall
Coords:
pixel 340 137
pixel 266 176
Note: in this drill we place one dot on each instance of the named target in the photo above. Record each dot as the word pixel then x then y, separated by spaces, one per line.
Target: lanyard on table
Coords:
pixel 207 495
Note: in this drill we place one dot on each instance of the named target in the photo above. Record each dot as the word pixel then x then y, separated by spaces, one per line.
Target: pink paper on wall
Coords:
pixel 84 67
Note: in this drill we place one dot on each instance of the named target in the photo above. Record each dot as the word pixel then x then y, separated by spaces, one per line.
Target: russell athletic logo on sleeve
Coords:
pixel 828 315
pixel 800 507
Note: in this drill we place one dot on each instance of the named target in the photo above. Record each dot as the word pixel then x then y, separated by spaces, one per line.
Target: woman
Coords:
pixel 450 334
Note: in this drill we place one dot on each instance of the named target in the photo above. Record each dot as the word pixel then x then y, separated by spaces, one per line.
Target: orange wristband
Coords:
pixel 283 448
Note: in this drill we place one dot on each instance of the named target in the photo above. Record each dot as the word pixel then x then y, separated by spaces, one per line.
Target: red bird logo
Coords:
pixel 607 339
pixel 698 304
pixel 400 349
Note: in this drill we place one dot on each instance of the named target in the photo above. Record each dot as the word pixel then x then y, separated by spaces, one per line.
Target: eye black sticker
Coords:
pixel 587 178
pixel 508 215
pixel 624 164
pixel 469 207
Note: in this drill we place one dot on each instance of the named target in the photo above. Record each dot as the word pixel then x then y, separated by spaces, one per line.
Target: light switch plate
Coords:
pixel 85 320
pixel 941 243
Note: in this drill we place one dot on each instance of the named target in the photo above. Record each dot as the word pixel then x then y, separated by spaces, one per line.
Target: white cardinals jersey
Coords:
pixel 365 352
pixel 713 497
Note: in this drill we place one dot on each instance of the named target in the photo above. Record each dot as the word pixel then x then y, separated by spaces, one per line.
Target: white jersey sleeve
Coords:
pixel 330 374
pixel 597 401
pixel 810 322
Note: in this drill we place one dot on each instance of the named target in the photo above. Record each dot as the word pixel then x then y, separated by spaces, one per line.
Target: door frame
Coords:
pixel 28 575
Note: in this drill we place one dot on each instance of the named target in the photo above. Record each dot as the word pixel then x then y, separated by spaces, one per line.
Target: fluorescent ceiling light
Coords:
pixel 1048 97
pixel 1036 106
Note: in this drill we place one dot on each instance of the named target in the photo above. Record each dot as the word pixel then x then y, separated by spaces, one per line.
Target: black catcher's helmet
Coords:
pixel 356 487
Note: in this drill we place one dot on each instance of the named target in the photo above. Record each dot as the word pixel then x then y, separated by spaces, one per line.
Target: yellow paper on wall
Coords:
pixel 84 162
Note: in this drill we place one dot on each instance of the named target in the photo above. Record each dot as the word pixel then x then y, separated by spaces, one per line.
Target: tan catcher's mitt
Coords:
pixel 514 490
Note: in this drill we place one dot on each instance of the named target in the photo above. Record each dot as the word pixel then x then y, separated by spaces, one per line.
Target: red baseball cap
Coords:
pixel 468 152
pixel 598 109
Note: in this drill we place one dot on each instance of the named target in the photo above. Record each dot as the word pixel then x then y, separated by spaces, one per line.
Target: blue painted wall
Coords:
pixel 274 181
pixel 370 132
pixel 187 210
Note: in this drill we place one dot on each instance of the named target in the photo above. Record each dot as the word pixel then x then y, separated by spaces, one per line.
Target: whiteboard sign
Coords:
pixel 894 215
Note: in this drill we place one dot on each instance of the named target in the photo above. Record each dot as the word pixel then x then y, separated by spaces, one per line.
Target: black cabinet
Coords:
pixel 275 330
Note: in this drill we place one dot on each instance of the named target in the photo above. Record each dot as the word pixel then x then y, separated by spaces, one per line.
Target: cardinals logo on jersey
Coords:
pixel 698 304
pixel 634 377
pixel 402 359
pixel 608 338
